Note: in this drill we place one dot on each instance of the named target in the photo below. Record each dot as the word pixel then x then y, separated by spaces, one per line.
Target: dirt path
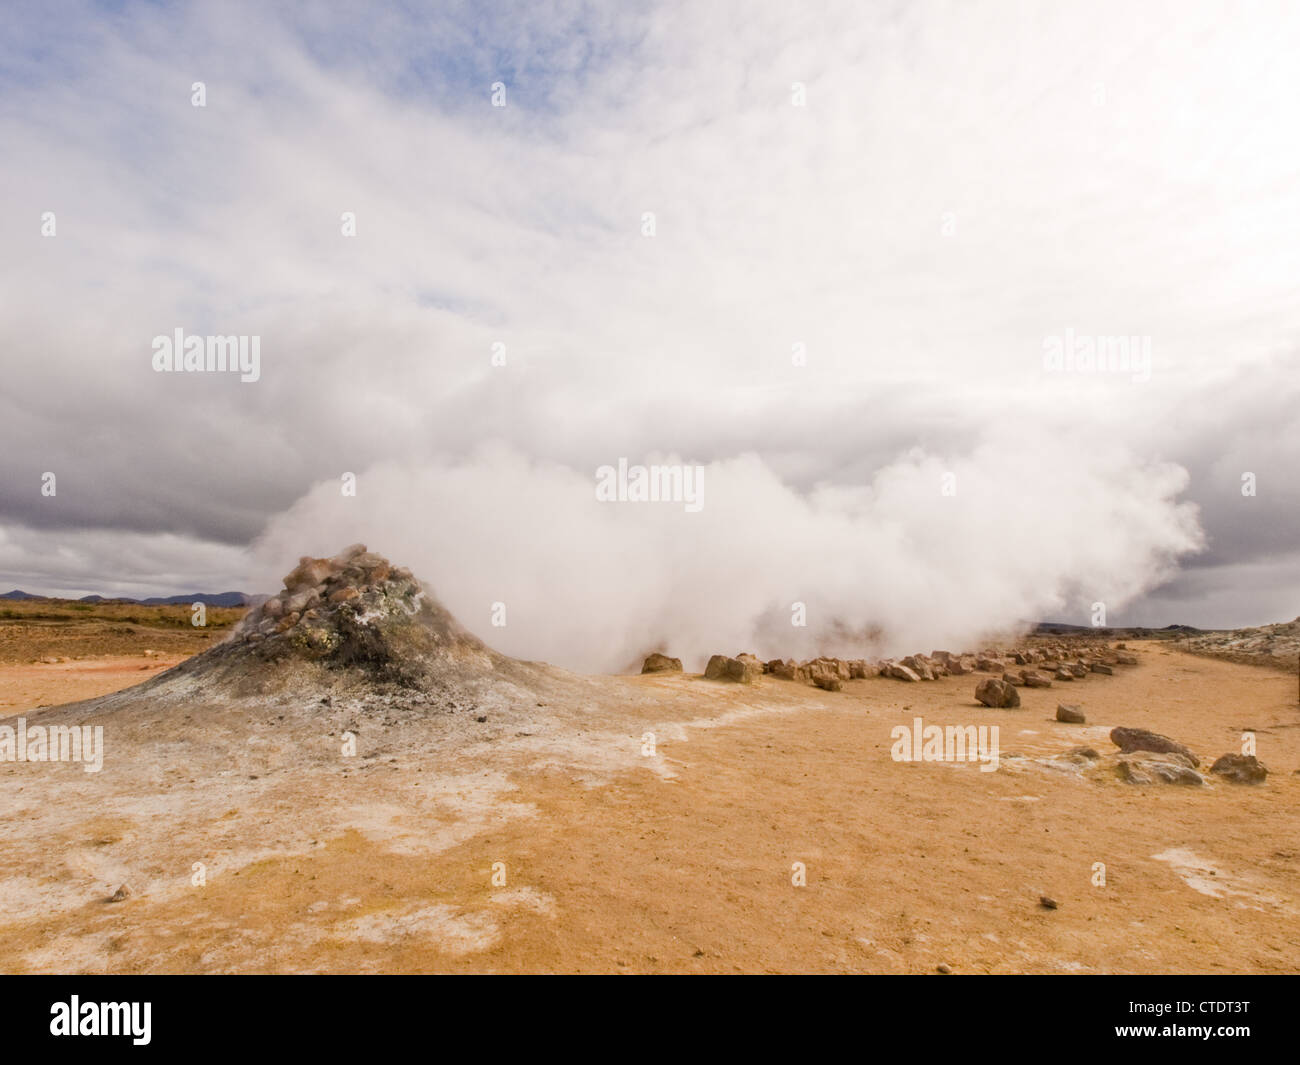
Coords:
pixel 681 861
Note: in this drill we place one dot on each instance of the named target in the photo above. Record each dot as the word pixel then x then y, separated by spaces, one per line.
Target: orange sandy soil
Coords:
pixel 27 687
pixel 681 862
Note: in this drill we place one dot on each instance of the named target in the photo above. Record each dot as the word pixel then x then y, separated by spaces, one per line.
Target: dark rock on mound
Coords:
pixel 1129 740
pixel 1240 768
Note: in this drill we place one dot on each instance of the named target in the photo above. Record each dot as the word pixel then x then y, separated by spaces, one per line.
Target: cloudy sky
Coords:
pixel 870 221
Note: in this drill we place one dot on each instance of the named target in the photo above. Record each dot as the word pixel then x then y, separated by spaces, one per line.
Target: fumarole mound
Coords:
pixel 351 620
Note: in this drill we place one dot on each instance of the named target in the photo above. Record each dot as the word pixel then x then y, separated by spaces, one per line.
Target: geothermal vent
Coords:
pixel 353 620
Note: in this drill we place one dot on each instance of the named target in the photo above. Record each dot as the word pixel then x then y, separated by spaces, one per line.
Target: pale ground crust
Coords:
pixel 680 861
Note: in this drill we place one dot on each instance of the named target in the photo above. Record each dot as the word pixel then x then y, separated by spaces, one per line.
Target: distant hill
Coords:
pixel 206 598
pixel 1057 628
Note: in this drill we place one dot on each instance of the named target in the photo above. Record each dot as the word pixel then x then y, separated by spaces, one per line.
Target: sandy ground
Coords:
pixel 562 847
pixel 37 684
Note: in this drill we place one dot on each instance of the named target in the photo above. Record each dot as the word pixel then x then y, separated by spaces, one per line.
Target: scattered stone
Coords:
pixel 1082 754
pixel 997 693
pixel 1240 768
pixel 1033 679
pixel 943 968
pixel 721 667
pixel 1126 660
pixel 1047 902
pixel 828 682
pixel 657 663
pixel 1070 715
pixel 1145 767
pixel 1063 674
pixel 121 894
pixel 900 672
pixel 1101 667
pixel 1129 740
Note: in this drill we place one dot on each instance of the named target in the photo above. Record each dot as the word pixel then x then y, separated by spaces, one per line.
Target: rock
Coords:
pixel 1129 740
pixel 919 666
pixel 858 669
pixel 787 669
pixel 751 660
pixel 988 665
pixel 957 667
pixel 272 608
pixel 343 595
pixel 1016 679
pixel 1126 660
pixel 657 663
pixel 899 672
pixel 721 667
pixel 943 968
pixel 120 894
pixel 828 682
pixel 1145 767
pixel 1063 674
pixel 1240 768
pixel 1047 902
pixel 308 573
pixel 1071 715
pixel 997 693
pixel 1034 679
pixel 345 556
pixel 287 622
pixel 300 601
pixel 1078 669
pixel 1082 754
pixel 1101 667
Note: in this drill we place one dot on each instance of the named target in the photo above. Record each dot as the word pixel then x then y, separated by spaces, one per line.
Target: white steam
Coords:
pixel 1038 526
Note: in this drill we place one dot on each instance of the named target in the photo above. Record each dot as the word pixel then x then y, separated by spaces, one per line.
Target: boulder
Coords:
pixel 1126 660
pixel 788 669
pixel 1146 767
pixel 1240 769
pixel 657 663
pixel 1130 740
pixel 919 666
pixel 997 693
pixel 721 667
pixel 1063 674
pixel 1101 667
pixel 1071 715
pixel 1034 679
pixel 828 681
pixel 899 672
